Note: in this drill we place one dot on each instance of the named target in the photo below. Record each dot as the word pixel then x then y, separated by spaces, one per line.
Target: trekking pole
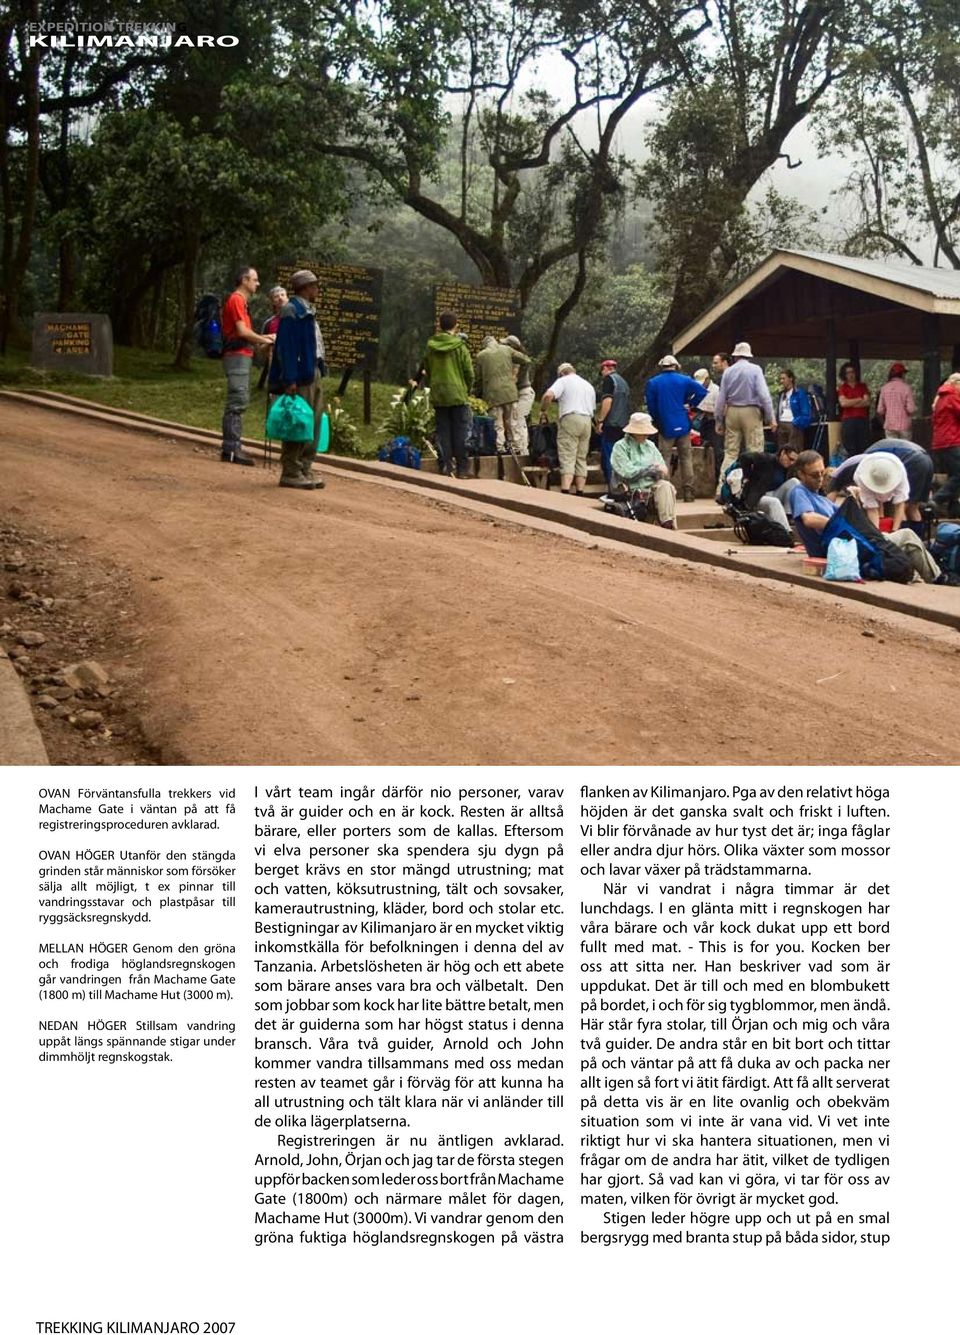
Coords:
pixel 267 444
pixel 511 446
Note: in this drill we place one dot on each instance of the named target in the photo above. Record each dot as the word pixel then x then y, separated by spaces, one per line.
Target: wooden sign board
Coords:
pixel 480 310
pixel 348 310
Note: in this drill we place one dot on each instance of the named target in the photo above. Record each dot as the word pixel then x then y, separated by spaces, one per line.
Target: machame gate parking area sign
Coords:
pixel 348 310
pixel 72 342
pixel 480 310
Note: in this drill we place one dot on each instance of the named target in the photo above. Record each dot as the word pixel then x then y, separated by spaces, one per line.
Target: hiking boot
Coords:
pixel 300 483
pixel 463 475
pixel 237 459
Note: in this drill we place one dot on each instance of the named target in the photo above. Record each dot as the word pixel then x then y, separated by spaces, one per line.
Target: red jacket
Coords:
pixel 946 417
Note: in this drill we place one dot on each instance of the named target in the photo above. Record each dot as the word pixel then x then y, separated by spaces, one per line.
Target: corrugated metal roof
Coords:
pixel 943 283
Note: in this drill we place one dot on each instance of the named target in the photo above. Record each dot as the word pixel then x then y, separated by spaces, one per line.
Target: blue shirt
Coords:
pixel 804 501
pixel 744 386
pixel 669 395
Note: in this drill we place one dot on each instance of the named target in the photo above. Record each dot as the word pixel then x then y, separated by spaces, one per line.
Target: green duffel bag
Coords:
pixel 290 418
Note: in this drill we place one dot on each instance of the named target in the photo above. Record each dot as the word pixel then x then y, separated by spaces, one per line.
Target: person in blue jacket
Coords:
pixel 297 367
pixel 670 396
pixel 794 412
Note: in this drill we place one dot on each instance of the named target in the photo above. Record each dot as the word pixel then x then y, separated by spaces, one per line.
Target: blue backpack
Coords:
pixel 208 326
pixel 945 548
pixel 399 451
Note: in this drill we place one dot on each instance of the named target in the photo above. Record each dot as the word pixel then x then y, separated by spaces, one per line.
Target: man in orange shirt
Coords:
pixel 239 340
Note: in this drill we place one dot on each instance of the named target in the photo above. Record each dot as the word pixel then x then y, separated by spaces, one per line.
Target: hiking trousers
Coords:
pixel 236 368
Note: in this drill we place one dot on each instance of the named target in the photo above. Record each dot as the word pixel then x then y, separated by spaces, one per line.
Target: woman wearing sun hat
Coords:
pixel 637 464
pixel 880 479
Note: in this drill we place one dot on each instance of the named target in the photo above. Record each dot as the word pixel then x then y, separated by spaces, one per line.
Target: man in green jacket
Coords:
pixel 450 371
pixel 496 384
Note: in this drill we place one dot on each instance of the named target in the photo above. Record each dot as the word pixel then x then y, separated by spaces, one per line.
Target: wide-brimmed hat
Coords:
pixel 742 350
pixel 879 473
pixel 669 361
pixel 640 424
pixel 303 278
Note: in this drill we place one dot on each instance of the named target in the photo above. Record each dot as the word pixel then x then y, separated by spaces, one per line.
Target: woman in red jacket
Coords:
pixel 946 443
pixel 853 400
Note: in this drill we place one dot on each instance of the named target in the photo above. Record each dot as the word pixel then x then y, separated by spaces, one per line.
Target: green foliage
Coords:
pixel 616 316
pixel 894 120
pixel 344 436
pixel 413 419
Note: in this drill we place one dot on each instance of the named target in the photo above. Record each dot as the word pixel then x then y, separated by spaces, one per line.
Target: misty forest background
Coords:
pixel 619 163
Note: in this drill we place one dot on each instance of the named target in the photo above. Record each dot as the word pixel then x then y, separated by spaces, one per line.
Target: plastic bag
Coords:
pixel 842 560
pixel 290 418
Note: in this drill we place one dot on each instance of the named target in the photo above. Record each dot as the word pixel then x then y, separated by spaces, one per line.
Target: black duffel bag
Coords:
pixel 543 445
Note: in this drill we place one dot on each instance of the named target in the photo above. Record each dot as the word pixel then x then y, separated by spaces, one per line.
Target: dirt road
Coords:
pixel 364 624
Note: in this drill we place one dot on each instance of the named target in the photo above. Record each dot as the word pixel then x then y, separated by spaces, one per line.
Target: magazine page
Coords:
pixel 462 1044
pixel 479 564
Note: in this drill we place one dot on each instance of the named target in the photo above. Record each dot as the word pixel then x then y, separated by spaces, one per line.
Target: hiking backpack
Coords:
pixel 945 548
pixel 755 529
pixel 879 557
pixel 208 326
pixel 399 451
pixel 731 488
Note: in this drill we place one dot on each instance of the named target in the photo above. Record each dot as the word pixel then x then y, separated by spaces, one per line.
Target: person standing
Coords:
pixel 670 395
pixel 239 341
pixel 721 362
pixel 946 444
pixel 895 404
pixel 520 411
pixel 613 413
pixel 853 400
pixel 278 299
pixel 576 400
pixel 449 369
pixel 794 413
pixel 707 408
pixel 744 406
pixel 296 368
pixel 495 381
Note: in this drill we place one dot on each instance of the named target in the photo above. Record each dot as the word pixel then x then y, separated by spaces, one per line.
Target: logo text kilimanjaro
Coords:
pixel 157 40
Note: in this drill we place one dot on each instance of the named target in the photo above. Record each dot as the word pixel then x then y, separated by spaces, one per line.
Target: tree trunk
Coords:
pixel 16 268
pixel 67 274
pixel 185 347
pixel 540 374
pixel 125 308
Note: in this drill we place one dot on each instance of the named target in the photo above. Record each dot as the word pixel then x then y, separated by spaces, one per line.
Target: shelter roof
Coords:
pixel 786 305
